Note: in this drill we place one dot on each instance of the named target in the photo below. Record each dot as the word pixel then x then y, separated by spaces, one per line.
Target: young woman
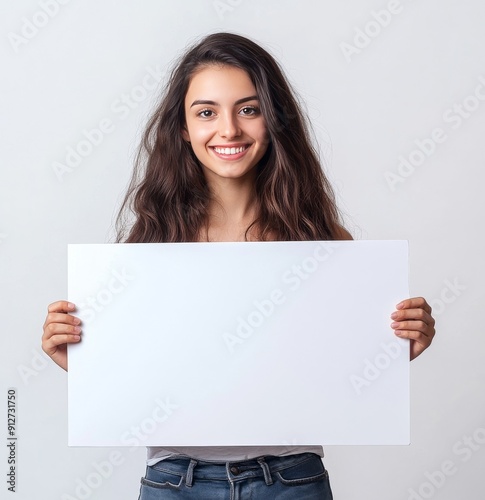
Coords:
pixel 227 157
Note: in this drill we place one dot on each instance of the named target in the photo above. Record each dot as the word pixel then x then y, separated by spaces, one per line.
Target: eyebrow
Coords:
pixel 213 103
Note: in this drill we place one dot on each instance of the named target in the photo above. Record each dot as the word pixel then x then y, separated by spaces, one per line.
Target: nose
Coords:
pixel 229 126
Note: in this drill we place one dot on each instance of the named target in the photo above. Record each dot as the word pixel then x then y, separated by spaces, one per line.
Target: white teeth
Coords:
pixel 229 151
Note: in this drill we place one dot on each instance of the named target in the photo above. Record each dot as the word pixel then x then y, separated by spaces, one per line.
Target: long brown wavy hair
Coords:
pixel 168 194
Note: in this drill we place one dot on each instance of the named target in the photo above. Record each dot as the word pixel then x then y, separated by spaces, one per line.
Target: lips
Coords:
pixel 230 152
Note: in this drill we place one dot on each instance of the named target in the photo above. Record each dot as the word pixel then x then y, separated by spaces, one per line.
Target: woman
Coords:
pixel 227 157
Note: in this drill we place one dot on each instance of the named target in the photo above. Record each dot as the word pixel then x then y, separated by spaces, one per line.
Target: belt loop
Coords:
pixel 190 473
pixel 267 474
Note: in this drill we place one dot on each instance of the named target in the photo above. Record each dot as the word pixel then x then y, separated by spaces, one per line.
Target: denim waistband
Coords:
pixel 264 466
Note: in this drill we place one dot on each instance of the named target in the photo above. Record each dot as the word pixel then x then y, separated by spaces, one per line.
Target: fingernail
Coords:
pixel 398 333
pixel 400 305
pixel 394 315
pixel 394 324
pixel 77 329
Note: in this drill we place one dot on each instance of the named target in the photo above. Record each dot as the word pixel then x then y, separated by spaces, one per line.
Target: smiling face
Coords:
pixel 224 123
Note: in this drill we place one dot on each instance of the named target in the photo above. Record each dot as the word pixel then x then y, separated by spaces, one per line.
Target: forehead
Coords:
pixel 217 82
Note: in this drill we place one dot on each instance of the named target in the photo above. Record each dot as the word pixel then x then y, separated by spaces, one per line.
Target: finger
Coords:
pixel 59 329
pixel 51 345
pixel 419 337
pixel 61 318
pixel 418 326
pixel 413 314
pixel 414 303
pixel 61 306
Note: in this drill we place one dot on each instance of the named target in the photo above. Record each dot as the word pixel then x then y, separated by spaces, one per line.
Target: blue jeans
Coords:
pixel 296 477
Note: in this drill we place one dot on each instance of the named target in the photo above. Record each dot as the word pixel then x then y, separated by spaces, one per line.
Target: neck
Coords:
pixel 232 208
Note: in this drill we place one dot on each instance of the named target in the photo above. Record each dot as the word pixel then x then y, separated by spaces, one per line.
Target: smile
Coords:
pixel 229 151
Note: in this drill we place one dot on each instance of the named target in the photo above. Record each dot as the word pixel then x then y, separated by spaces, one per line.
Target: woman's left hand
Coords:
pixel 412 320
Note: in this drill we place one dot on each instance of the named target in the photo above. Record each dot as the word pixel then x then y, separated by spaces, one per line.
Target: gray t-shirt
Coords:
pixel 227 453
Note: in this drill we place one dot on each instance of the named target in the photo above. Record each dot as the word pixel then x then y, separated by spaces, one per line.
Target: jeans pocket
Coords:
pixel 309 471
pixel 157 478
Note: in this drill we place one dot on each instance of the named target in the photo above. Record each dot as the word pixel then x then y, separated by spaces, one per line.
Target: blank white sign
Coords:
pixel 269 343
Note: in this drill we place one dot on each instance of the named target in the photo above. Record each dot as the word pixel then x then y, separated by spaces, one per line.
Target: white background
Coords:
pixel 366 113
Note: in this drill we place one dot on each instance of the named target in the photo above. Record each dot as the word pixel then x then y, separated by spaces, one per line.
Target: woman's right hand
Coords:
pixel 60 329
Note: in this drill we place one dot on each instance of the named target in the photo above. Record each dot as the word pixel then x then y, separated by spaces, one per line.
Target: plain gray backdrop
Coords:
pixel 397 103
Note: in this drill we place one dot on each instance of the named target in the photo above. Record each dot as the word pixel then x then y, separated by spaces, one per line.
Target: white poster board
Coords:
pixel 270 343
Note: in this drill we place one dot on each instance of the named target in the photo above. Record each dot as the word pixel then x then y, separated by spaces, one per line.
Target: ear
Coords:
pixel 185 134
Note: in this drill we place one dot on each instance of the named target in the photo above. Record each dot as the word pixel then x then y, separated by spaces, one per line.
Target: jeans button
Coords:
pixel 234 470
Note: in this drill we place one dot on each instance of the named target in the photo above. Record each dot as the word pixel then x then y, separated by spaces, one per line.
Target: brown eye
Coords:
pixel 205 113
pixel 249 111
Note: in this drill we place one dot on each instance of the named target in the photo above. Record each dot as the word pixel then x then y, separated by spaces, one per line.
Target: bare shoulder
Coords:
pixel 342 234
